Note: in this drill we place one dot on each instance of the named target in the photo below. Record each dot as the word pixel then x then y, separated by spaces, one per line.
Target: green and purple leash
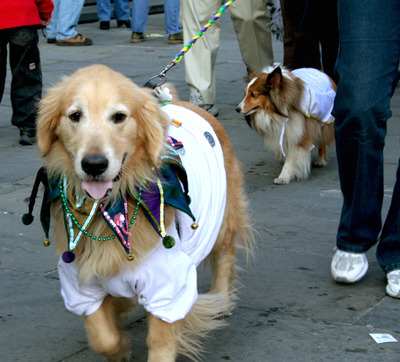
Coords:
pixel 178 57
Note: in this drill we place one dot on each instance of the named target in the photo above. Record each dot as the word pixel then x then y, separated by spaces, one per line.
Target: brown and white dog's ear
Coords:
pixel 49 116
pixel 153 125
pixel 251 73
pixel 274 78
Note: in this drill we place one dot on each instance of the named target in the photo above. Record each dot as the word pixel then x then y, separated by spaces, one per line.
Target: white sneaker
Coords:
pixel 197 99
pixel 393 287
pixel 348 267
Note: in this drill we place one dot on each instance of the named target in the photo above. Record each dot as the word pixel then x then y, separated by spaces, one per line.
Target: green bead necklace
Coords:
pixel 83 230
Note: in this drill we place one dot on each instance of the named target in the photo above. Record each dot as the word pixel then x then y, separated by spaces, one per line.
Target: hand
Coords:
pixel 45 22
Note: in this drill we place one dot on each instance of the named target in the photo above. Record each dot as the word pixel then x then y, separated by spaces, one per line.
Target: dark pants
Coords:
pixel 367 69
pixel 319 28
pixel 26 84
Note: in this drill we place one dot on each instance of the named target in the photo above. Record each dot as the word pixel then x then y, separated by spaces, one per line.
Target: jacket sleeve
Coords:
pixel 45 8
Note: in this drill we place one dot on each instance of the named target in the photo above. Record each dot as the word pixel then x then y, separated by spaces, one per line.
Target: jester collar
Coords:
pixel 166 190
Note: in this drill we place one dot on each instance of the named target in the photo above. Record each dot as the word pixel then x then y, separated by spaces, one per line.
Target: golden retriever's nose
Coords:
pixel 94 165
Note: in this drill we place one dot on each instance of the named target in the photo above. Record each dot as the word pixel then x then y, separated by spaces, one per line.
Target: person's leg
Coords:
pixel 26 84
pixel 104 10
pixel 122 10
pixel 171 11
pixel 251 21
pixel 140 13
pixel 388 250
pixel 303 52
pixel 367 61
pixel 200 60
pixel 51 29
pixel 68 16
pixel 3 60
pixel 328 31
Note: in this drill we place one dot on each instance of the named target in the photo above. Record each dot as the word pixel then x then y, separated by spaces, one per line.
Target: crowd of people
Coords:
pixel 363 61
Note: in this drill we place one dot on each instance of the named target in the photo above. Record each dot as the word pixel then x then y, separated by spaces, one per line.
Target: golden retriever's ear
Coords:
pixel 48 119
pixel 153 125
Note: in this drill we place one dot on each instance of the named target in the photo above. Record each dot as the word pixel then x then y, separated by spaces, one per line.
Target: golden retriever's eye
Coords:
pixel 253 94
pixel 119 117
pixel 75 117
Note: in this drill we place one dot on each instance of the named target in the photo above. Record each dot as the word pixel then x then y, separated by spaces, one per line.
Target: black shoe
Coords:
pixel 51 40
pixel 104 25
pixel 27 138
pixel 127 23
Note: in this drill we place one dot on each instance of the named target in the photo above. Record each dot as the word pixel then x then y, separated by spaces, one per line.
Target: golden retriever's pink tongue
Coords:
pixel 97 189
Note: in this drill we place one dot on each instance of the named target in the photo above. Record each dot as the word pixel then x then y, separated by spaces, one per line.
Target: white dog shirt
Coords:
pixel 165 281
pixel 318 98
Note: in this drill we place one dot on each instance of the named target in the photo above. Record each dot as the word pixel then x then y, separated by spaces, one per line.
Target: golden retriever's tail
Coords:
pixel 206 315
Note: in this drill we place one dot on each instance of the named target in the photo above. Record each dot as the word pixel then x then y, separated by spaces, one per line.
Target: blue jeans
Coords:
pixel 367 68
pixel 64 19
pixel 121 10
pixel 140 12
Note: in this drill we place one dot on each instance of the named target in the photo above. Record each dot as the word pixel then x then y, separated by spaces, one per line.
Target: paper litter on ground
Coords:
pixel 383 337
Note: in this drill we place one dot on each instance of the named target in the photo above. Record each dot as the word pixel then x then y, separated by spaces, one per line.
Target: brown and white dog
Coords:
pixel 103 139
pixel 292 113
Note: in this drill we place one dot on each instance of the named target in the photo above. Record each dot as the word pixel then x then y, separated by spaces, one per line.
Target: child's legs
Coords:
pixel 26 84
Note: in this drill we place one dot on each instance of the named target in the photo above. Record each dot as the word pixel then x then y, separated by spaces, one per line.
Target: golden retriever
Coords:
pixel 106 136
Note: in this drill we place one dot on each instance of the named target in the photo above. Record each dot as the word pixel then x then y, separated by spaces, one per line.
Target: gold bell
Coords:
pixel 130 257
pixel 46 242
pixel 194 226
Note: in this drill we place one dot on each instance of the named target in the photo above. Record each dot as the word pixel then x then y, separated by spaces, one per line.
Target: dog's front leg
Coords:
pixel 161 340
pixel 104 334
pixel 297 165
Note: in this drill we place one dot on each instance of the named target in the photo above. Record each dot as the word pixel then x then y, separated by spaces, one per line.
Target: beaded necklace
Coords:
pixel 121 226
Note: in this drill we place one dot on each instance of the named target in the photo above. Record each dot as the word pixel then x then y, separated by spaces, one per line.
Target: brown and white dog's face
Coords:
pixel 262 93
pixel 255 97
pixel 97 123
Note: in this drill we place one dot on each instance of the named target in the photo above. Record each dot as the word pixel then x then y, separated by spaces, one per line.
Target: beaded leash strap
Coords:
pixel 186 48
pixel 179 56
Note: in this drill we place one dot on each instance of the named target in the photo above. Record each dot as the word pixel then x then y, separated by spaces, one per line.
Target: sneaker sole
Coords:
pixel 175 42
pixel 25 142
pixel 138 41
pixel 67 44
pixel 392 294
pixel 345 280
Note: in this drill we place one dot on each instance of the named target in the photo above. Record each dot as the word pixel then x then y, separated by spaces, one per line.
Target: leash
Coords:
pixel 178 57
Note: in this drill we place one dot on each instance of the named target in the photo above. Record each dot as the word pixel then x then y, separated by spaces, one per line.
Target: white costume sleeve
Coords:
pixel 79 300
pixel 168 284
pixel 165 282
